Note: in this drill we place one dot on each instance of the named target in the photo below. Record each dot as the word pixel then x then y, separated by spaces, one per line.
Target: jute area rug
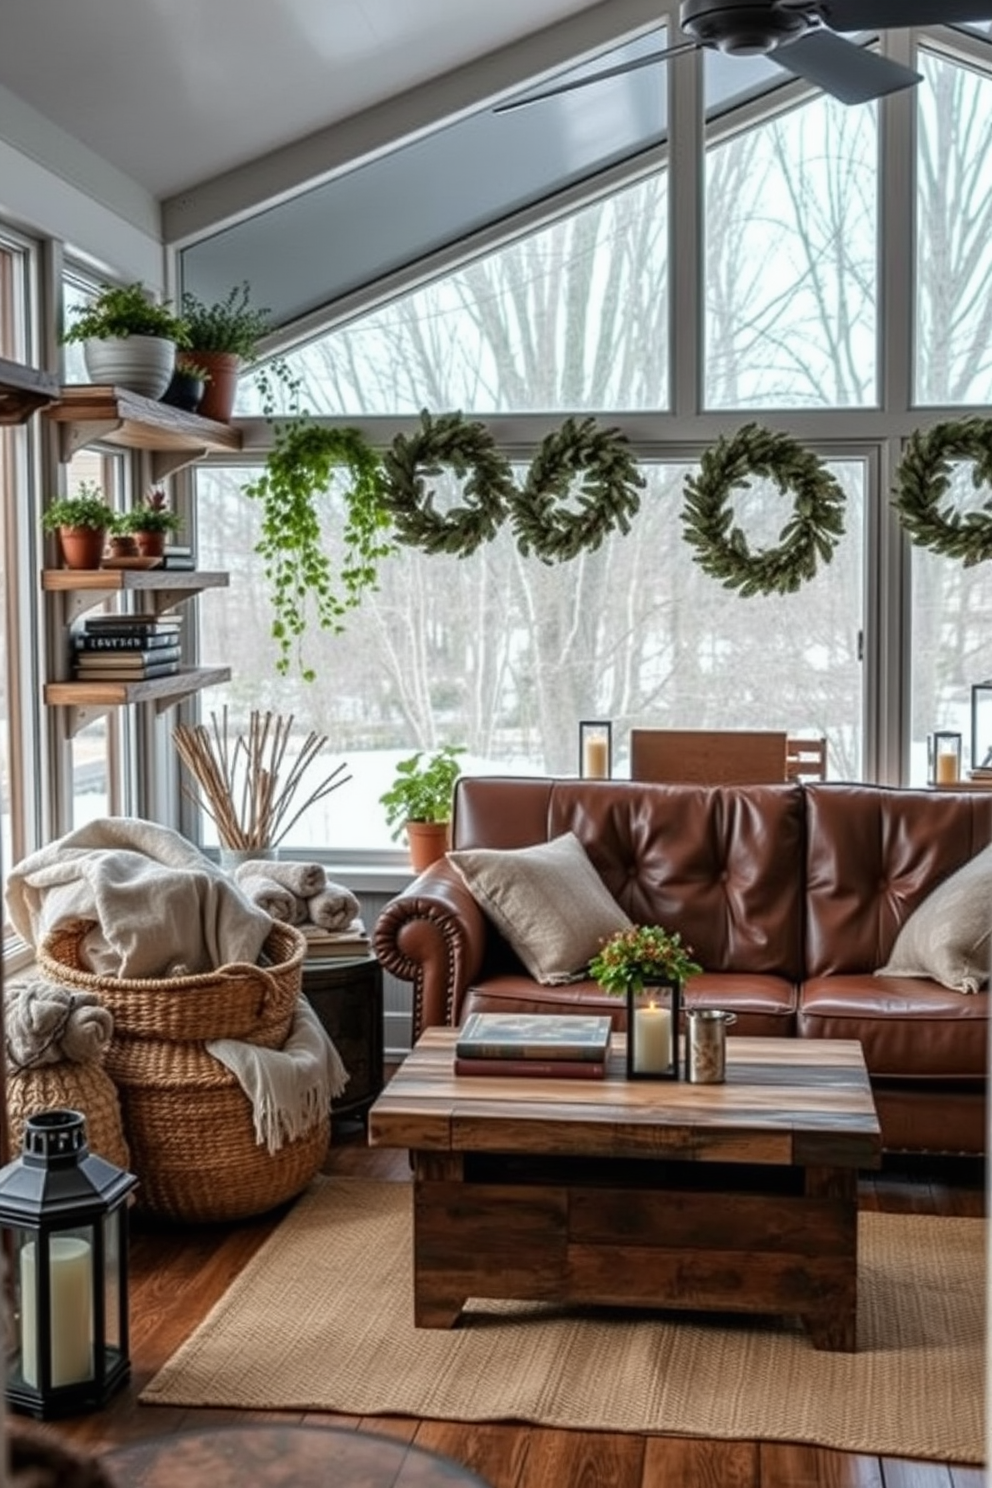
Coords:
pixel 321 1319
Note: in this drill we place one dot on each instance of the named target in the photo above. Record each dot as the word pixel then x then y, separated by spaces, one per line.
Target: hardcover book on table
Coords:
pixel 533 1069
pixel 534 1036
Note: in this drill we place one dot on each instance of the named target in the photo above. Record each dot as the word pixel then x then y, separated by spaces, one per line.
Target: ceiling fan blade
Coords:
pixel 595 77
pixel 880 15
pixel 842 69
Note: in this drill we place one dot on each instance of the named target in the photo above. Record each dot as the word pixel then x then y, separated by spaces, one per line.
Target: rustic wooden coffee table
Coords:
pixel 733 1197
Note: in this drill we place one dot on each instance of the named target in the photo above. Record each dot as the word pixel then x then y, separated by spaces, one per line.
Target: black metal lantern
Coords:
pixel 595 749
pixel 64 1218
pixel 943 758
pixel 653 1016
pixel 981 725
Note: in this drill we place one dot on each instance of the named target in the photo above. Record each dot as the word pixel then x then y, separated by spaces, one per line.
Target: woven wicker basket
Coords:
pixel 68 1086
pixel 188 1123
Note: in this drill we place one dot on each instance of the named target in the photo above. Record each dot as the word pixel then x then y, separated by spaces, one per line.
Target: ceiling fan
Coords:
pixel 801 36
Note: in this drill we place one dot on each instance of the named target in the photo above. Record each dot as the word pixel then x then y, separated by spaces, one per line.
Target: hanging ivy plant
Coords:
pixel 809 537
pixel 469 450
pixel 608 497
pixel 923 480
pixel 293 545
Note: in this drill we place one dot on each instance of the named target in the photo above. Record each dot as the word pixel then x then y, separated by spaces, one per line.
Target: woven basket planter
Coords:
pixel 188 1123
pixel 68 1087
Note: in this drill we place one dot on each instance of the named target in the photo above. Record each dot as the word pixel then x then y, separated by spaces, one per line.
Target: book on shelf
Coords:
pixel 126 624
pixel 126 658
pixel 534 1069
pixel 179 557
pixel 534 1036
pixel 135 640
pixel 352 941
pixel 138 673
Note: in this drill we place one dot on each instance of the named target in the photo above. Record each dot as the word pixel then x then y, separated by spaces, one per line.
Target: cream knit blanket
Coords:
pixel 289 1088
pixel 161 909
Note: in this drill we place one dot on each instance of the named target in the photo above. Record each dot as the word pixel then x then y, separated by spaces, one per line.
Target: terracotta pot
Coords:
pixel 218 398
pixel 150 544
pixel 427 842
pixel 82 547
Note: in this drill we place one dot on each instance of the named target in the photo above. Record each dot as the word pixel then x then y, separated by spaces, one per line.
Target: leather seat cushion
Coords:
pixel 909 1027
pixel 765 1005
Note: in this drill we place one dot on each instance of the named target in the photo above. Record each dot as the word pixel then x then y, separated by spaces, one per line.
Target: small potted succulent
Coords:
pixel 188 385
pixel 149 524
pixel 128 340
pixel 648 966
pixel 419 802
pixel 82 522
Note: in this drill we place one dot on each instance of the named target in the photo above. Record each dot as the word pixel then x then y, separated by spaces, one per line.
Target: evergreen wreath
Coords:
pixel 810 535
pixel 608 497
pixel 470 450
pixel 297 564
pixel 924 478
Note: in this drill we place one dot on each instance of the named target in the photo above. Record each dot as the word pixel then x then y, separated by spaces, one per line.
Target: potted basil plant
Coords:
pixel 82 523
pixel 419 802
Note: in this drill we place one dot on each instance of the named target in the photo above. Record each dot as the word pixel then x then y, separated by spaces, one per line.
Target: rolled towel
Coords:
pixel 302 879
pixel 46 1024
pixel 334 908
pixel 278 902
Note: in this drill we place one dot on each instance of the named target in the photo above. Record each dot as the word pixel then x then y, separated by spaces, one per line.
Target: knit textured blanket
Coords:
pixel 46 1024
pixel 289 1088
pixel 161 909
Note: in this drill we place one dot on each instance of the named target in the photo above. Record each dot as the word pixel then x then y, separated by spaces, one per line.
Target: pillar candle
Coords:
pixel 947 768
pixel 652 1040
pixel 72 1312
pixel 595 759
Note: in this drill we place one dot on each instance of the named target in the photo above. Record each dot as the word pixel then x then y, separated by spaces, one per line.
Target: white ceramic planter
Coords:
pixel 142 364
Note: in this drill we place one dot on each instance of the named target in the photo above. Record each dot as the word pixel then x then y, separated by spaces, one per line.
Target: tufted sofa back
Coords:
pixel 723 864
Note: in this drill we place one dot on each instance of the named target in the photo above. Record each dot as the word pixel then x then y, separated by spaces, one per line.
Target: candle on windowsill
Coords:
pixel 947 769
pixel 71 1308
pixel 595 758
pixel 652 1040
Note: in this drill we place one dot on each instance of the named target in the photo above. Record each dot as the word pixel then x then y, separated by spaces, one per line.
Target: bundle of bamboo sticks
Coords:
pixel 246 786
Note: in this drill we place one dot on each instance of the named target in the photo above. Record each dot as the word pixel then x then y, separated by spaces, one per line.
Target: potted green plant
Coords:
pixel 419 802
pixel 149 524
pixel 188 385
pixel 128 340
pixel 82 522
pixel 223 338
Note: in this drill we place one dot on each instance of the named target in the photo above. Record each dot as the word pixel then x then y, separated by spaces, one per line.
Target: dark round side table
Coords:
pixel 281 1456
pixel 346 995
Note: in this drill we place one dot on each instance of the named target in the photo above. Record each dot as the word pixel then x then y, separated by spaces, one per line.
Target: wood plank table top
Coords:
pixel 785 1101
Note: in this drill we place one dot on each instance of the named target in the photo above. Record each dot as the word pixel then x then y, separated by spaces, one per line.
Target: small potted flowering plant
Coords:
pixel 647 965
pixel 149 524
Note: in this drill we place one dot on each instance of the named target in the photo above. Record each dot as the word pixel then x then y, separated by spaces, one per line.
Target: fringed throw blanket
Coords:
pixel 161 909
pixel 289 1088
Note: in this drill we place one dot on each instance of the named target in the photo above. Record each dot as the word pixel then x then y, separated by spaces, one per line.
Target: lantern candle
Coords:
pixel 652 1039
pixel 71 1311
pixel 596 758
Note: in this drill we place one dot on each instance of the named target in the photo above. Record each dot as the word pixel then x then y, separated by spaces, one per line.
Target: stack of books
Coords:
pixel 321 944
pixel 126 648
pixel 536 1044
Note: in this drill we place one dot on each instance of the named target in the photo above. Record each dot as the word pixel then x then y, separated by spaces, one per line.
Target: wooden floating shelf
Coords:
pixel 161 589
pixel 88 700
pixel 24 389
pixel 88 413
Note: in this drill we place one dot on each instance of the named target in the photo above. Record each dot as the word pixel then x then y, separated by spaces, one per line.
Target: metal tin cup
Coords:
pixel 706 1045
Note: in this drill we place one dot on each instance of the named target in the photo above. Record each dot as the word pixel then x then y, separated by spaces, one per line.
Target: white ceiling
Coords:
pixel 175 92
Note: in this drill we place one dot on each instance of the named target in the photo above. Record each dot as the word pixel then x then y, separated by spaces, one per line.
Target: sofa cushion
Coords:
pixel 548 901
pixel 909 1028
pixel 948 937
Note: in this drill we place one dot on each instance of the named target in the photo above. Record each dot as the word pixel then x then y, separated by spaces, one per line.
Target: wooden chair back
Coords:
pixel 708 757
pixel 806 759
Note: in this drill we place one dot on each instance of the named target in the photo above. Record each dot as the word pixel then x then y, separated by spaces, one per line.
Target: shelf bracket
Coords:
pixel 76 435
pixel 167 462
pixel 80 715
pixel 162 705
pixel 78 601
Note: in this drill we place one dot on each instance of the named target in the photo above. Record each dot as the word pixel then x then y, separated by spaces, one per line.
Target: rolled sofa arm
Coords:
pixel 433 934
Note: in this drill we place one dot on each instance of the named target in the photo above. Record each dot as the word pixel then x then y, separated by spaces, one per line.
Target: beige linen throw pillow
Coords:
pixel 548 901
pixel 949 936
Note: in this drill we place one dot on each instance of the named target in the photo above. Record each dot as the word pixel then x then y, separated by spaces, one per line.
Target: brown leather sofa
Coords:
pixel 790 895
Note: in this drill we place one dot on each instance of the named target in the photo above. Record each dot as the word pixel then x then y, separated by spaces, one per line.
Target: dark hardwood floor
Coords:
pixel 178 1273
